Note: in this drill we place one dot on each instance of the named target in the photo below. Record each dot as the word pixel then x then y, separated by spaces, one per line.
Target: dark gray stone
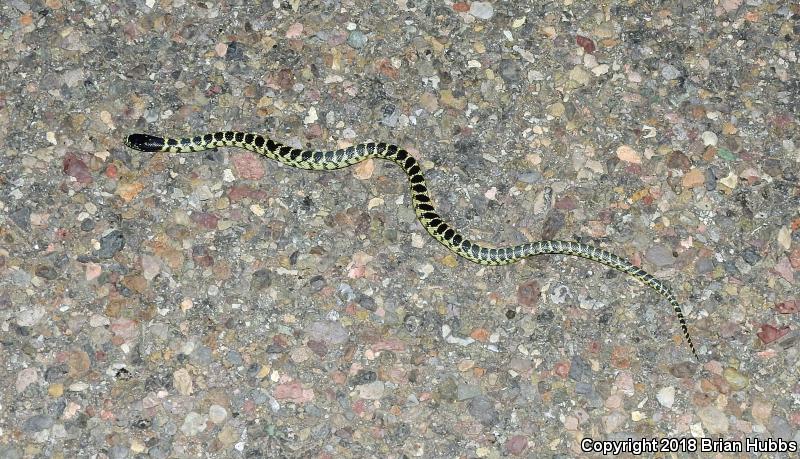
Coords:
pixel 111 243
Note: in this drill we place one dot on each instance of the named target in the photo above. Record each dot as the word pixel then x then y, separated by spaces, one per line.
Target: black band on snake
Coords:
pixel 423 206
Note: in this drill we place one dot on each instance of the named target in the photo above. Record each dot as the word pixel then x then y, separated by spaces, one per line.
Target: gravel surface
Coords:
pixel 221 305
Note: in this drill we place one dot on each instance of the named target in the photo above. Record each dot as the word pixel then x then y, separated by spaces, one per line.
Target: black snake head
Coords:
pixel 144 142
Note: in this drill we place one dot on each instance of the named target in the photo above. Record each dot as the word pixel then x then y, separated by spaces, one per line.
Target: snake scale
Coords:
pixel 423 206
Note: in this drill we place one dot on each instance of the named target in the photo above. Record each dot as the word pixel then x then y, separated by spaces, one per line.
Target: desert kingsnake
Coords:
pixel 430 220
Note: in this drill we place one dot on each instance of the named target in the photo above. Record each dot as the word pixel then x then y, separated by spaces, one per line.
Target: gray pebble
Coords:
pixel 357 39
pixel 20 277
pixel 320 431
pixel 545 316
pixel 234 358
pixel 313 410
pixel 367 303
pixel 411 323
pixel 317 283
pixel 509 71
pixel 669 72
pixel 111 243
pixel 467 391
pixel 704 265
pixel 390 116
pixel 482 409
pixel 363 377
pixel 710 180
pixel 158 452
pixel 261 280
pixel 660 255
pixel 447 390
pixel 55 373
pixel 87 224
pixel 38 423
pixel 560 294
pixel 683 370
pixel 583 388
pixel 202 355
pixel 751 256
pixel 328 332
pixel 118 452
pixel 10 452
pixel 579 370
pixel 22 217
pixel 259 397
pixel 530 177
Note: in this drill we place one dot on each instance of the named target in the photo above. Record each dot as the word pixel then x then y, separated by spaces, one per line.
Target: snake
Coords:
pixel 434 224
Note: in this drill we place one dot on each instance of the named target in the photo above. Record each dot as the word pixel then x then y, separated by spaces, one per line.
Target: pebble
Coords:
pixel 217 414
pixel 76 168
pixel 579 369
pixel 356 39
pixel 128 191
pixel 666 396
pixel 737 380
pixel 331 333
pixel 714 420
pixel 660 255
pixel 46 272
pixel 481 10
pixel 371 391
pixel 709 138
pixel 669 72
pixel 183 382
pixel 260 280
pixel 38 423
pixel 703 265
pixel 528 293
pixel 693 178
pixel 586 43
pixel 516 445
pixel 730 181
pixel 467 391
pixel 530 177
pixel 482 409
pixel 710 180
pixel 560 294
pixel 193 424
pixel 118 452
pixel 248 166
pixel 509 70
pixel 580 76
pixel 556 110
pixel 761 411
pixel 151 266
pixel 628 154
pixel 110 244
pixel 613 421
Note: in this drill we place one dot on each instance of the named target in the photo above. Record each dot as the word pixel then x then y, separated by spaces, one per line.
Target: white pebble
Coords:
pixel 666 396
pixel 482 10
pixel 217 414
pixel 709 138
pixel 311 117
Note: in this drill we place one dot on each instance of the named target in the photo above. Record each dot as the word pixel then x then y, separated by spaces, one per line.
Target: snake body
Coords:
pixel 423 206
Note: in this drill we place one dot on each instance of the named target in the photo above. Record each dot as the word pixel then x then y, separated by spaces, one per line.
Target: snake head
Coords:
pixel 144 142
